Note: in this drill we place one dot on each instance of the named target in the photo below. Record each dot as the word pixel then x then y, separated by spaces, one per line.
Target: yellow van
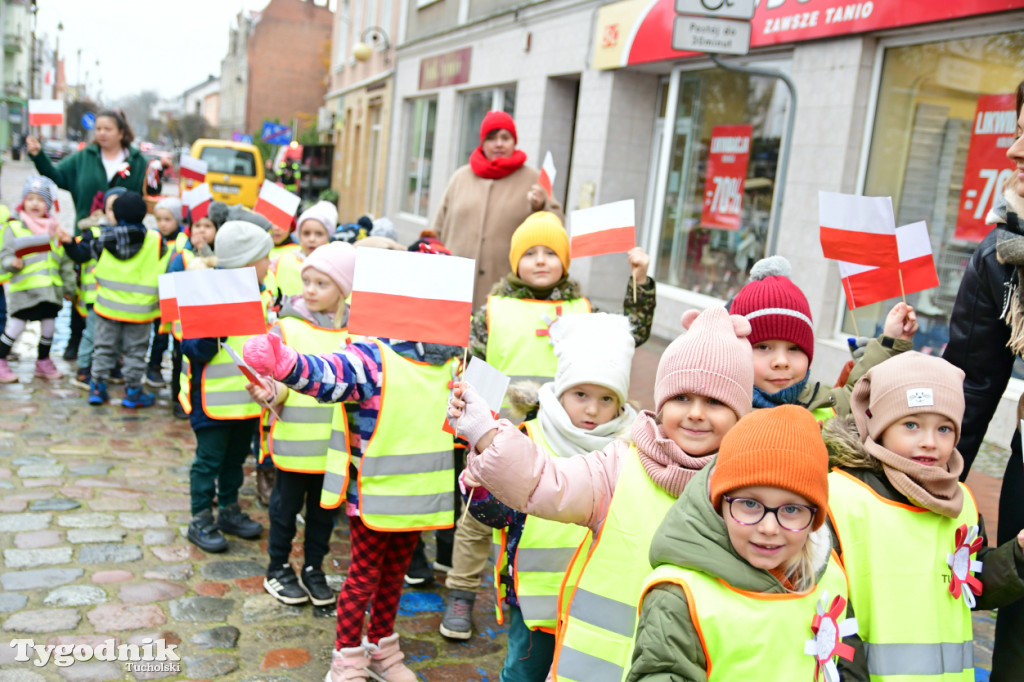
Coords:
pixel 234 170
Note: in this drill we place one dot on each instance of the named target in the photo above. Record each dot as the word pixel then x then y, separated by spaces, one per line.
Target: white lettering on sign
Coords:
pixel 791 22
pixel 995 122
pixel 859 10
pixel 730 145
pixel 727 197
pixel 993 178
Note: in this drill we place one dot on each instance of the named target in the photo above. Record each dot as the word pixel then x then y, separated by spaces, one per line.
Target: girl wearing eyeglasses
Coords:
pixel 745 583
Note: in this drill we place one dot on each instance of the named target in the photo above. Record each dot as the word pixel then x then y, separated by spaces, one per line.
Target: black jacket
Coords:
pixel 977 341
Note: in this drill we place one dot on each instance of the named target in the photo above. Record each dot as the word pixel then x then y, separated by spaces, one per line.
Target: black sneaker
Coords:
pixel 445 541
pixel 204 534
pixel 458 616
pixel 283 585
pixel 153 378
pixel 419 573
pixel 178 411
pixel 233 520
pixel 71 351
pixel 315 582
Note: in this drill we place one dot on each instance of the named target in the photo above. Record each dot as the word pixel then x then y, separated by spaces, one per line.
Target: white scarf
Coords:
pixel 567 440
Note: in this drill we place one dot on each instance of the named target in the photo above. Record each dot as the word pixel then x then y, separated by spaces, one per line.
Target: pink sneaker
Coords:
pixel 348 664
pixel 47 370
pixel 6 375
pixel 386 661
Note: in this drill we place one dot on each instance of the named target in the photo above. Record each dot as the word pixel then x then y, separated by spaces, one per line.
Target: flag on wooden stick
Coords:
pixel 858 229
pixel 219 303
pixel 866 284
pixel 45 112
pixel 609 228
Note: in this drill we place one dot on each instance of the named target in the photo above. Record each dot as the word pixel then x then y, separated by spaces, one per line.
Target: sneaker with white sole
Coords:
pixel 283 585
pixel 458 615
pixel 348 664
pixel 386 661
pixel 315 583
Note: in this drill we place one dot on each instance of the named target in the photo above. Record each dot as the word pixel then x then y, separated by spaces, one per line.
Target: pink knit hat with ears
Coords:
pixel 337 260
pixel 712 358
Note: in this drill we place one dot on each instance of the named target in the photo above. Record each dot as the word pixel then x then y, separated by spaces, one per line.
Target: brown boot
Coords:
pixel 264 484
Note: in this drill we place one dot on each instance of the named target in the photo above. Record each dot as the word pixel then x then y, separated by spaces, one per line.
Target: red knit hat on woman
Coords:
pixel 497 120
pixel 774 306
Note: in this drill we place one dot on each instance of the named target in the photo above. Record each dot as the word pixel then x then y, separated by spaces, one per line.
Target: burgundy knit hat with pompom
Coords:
pixel 774 306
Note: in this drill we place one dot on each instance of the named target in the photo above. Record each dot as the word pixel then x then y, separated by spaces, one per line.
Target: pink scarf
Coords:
pixel 45 225
pixel 664 461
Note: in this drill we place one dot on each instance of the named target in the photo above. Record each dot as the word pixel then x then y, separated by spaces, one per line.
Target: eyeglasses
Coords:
pixel 791 517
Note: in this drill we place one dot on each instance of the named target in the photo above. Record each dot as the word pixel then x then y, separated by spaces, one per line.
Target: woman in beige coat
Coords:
pixel 487 199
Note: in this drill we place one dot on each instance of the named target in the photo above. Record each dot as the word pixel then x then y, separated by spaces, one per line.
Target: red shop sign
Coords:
pixel 728 156
pixel 450 68
pixel 995 122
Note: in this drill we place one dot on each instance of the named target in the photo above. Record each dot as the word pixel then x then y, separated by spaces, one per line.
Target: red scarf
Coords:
pixel 498 168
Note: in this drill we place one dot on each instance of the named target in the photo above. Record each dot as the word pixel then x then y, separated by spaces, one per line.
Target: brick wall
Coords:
pixel 288 49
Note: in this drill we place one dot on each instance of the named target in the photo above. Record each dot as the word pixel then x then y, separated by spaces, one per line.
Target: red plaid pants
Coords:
pixel 376 572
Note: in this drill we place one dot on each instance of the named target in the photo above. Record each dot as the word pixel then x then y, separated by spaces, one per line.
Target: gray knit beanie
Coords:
pixel 240 243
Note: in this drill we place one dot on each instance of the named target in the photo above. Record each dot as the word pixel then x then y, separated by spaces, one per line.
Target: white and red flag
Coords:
pixel 608 228
pixel 866 284
pixel 37 243
pixel 168 299
pixel 197 200
pixel 489 382
pixel 277 204
pixel 857 229
pixel 412 296
pixel 192 168
pixel 547 174
pixel 219 303
pixel 45 112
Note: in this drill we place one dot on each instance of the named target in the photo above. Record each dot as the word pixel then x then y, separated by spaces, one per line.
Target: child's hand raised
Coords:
pixel 638 263
pixel 268 356
pixel 63 236
pixel 901 322
pixel 470 416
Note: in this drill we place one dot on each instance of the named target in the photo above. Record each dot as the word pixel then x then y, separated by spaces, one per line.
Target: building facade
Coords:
pixel 886 97
pixel 234 78
pixel 203 100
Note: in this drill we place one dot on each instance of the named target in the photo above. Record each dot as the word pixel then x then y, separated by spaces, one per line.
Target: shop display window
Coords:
pixel 475 105
pixel 421 120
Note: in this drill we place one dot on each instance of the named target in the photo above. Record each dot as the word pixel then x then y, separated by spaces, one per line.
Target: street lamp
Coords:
pixel 373 38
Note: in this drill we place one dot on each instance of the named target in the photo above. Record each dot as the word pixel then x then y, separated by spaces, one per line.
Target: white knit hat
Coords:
pixel 595 348
pixel 324 212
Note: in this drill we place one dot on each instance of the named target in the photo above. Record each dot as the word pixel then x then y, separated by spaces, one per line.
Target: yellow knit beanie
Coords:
pixel 542 228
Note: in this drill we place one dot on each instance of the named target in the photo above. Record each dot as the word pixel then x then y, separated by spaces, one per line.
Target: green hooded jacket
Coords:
pixel 83 175
pixel 667 647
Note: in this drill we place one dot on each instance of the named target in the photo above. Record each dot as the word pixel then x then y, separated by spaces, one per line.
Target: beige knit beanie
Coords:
pixel 907 384
pixel 712 358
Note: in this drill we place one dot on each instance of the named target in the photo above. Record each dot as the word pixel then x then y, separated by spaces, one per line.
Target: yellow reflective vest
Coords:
pixel 40 270
pixel 223 385
pixel 896 560
pixel 127 289
pixel 755 635
pixel 280 249
pixel 545 550
pixel 298 441
pixel 86 294
pixel 407 470
pixel 596 640
pixel 288 273
pixel 5 215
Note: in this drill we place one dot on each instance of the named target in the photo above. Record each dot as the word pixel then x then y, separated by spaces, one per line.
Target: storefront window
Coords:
pixel 713 228
pixel 419 154
pixel 475 105
pixel 938 166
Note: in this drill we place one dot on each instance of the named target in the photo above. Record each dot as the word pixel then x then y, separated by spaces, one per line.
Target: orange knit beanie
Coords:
pixel 780 447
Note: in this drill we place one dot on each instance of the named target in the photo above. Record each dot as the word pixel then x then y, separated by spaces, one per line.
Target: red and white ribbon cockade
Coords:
pixel 828 633
pixel 964 566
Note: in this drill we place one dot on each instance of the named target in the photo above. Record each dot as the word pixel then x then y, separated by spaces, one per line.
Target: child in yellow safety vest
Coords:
pixel 223 416
pixel 511 332
pixel 298 442
pixel 745 585
pixel 782 336
pixel 582 410
pixel 168 214
pixel 315 226
pixel 907 530
pixel 620 493
pixel 39 281
pixel 394 469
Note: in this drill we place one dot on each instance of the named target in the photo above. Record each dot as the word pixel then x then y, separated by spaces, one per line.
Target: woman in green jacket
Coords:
pixel 109 162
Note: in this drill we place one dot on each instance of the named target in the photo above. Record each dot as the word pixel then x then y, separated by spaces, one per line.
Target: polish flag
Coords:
pixel 197 200
pixel 609 228
pixel 412 296
pixel 547 174
pixel 277 204
pixel 45 112
pixel 26 246
pixel 489 382
pixel 192 168
pixel 865 284
pixel 857 229
pixel 214 303
pixel 168 300
pixel 243 367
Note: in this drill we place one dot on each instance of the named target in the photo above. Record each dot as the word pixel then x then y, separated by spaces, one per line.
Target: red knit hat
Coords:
pixel 497 120
pixel 774 306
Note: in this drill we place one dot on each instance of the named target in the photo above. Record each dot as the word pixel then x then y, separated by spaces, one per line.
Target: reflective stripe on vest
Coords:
pixel 910 623
pixel 518 343
pixel 40 270
pixel 596 642
pixel 298 440
pixel 751 635
pixel 288 273
pixel 127 289
pixel 543 555
pixel 339 456
pixel 407 472
pixel 87 281
pixel 5 217
pixel 185 381
pixel 223 385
